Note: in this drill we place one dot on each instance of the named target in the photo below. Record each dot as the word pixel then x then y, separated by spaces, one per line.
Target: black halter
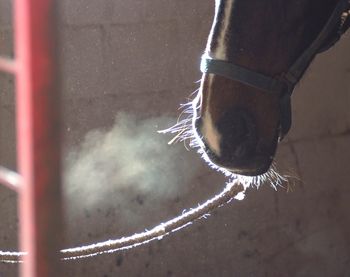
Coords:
pixel 284 84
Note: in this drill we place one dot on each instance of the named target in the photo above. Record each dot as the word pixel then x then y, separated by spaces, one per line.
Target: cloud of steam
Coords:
pixel 131 158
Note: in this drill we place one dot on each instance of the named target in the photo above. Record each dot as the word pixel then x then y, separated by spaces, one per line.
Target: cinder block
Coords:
pixel 135 11
pixel 6 42
pixel 319 215
pixel 6 13
pixel 8 136
pixel 158 10
pixel 196 10
pixel 82 114
pixel 7 92
pixel 8 227
pixel 145 57
pixel 321 100
pixel 84 12
pixel 83 65
pixel 143 11
pixel 324 163
pixel 7 121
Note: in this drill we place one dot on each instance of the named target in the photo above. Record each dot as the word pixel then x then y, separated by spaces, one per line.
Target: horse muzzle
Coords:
pixel 232 142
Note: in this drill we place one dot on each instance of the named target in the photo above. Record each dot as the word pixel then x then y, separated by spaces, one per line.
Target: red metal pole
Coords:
pixel 38 137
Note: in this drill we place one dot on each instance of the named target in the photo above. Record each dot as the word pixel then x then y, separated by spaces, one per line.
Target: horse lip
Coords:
pixel 250 172
pixel 260 164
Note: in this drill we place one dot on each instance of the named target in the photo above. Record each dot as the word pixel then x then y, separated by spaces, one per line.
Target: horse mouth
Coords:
pixel 250 172
pixel 250 168
pixel 256 161
pixel 257 165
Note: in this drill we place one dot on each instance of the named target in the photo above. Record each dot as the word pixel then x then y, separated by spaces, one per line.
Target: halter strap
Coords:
pixel 284 83
pixel 300 65
pixel 244 75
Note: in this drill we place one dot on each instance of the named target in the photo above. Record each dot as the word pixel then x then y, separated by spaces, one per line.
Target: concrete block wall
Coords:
pixel 8 199
pixel 141 57
pixel 141 49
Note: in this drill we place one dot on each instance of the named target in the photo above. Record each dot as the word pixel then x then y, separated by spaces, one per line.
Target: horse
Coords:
pixel 256 53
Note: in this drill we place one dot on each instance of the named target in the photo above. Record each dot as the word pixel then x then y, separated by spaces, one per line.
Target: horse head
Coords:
pixel 256 52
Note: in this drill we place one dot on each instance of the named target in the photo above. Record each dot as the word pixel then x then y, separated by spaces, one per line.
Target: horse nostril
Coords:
pixel 239 137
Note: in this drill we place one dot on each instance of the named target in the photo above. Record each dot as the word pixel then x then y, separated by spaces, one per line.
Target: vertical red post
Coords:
pixel 38 136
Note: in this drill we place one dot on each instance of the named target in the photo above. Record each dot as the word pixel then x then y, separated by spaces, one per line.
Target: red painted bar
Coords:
pixel 8 65
pixel 38 137
pixel 9 178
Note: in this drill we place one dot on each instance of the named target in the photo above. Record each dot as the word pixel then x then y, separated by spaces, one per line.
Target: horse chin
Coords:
pixel 251 172
pixel 258 163
pixel 258 168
